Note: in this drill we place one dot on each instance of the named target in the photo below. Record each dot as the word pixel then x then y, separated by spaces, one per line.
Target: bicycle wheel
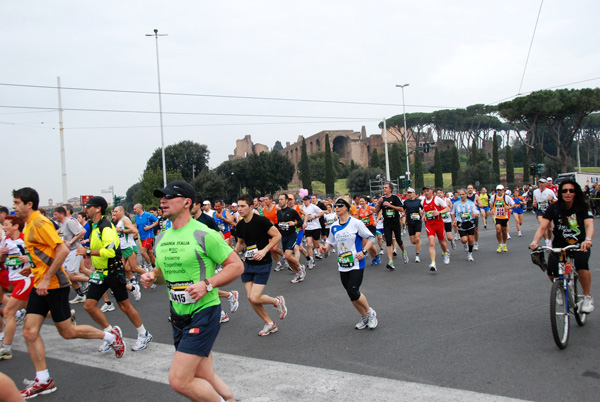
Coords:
pixel 577 290
pixel 559 314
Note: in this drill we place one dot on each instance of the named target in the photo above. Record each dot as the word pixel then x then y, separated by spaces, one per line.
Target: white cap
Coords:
pixel 206 202
pixel 410 190
pixel 542 180
pixel 234 204
pixel 499 187
pixel 549 179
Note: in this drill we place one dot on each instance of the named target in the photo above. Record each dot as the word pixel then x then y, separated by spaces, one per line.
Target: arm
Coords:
pixel 130 228
pixel 539 233
pixel 275 239
pixel 228 218
pixel 240 245
pixel 589 234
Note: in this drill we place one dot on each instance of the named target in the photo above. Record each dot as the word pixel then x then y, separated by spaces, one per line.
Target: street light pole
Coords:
pixel 405 132
pixel 162 136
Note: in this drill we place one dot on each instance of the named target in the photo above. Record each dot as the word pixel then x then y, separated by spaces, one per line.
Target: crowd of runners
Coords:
pixel 197 250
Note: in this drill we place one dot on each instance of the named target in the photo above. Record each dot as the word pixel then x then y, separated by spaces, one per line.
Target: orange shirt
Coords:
pixel 41 241
pixel 271 215
pixel 366 216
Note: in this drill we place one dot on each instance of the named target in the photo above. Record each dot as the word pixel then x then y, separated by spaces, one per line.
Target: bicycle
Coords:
pixel 566 295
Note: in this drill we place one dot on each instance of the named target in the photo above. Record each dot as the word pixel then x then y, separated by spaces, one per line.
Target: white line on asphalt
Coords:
pixel 253 380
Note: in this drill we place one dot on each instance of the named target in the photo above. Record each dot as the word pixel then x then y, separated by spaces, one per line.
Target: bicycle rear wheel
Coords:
pixel 580 317
pixel 559 314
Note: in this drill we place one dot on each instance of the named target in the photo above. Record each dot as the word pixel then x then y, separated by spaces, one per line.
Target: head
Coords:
pixel 362 201
pixel 255 203
pixel 25 201
pixel 456 194
pixel 153 211
pixel 291 200
pixel 410 193
pixel 3 213
pixel 245 205
pixel 516 193
pixel 543 184
pixel 96 207
pixel 206 206
pixel 118 213
pixel 138 209
pixel 440 193
pixel 13 225
pixel 82 217
pixel 268 200
pixel 313 199
pixel 388 187
pixel 283 201
pixel 329 208
pixel 176 199
pixel 570 193
pixel 306 200
pixel 428 192
pixel 234 207
pixel 462 193
pixel 219 206
pixel 470 189
pixel 342 207
pixel 483 190
pixel 500 191
pixel 60 214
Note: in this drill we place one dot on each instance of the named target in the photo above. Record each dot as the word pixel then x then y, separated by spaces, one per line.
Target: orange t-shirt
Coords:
pixel 366 216
pixel 41 241
pixel 271 215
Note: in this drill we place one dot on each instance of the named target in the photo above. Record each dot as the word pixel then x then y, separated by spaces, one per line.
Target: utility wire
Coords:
pixel 530 46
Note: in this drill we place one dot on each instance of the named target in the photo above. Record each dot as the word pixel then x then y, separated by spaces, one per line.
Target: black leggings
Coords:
pixel 352 281
pixel 581 262
pixel 389 230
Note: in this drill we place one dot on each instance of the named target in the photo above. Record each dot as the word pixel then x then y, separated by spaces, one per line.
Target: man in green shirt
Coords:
pixel 187 255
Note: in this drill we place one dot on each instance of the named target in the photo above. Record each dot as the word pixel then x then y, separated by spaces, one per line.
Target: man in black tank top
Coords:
pixel 414 213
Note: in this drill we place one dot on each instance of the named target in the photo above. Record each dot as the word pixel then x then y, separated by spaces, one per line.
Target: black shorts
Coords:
pixel 199 335
pixel 56 302
pixel 372 229
pixel 288 241
pixel 502 222
pixel 466 232
pixel 448 227
pixel 391 229
pixel 315 234
pixel 581 262
pixel 116 283
pixel 414 226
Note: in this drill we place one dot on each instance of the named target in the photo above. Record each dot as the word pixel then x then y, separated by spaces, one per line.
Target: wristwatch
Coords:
pixel 88 252
pixel 209 287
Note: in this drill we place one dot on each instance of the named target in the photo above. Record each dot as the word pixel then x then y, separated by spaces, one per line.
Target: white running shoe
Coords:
pixel 432 267
pixel 453 244
pixel 135 291
pixel 405 257
pixel 447 259
pixel 476 246
pixel 362 324
pixel 278 267
pixel 372 319
pixel 142 341
pixel 302 272
pixel 520 234
pixel 311 263
pixel 381 252
pixel 466 247
pixel 508 236
pixel 588 304
pixel 281 308
pixel 224 316
pixel 78 299
pixel 268 329
pixel 107 307
pixel 470 257
pixel 417 259
pixel 233 301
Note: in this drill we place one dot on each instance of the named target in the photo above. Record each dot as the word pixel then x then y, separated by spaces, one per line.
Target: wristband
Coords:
pixel 154 273
pixel 588 239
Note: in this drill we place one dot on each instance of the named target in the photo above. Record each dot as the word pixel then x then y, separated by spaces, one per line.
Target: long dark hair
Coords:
pixel 579 204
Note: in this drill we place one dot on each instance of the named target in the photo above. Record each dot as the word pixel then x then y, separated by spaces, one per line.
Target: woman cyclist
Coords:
pixel 573 224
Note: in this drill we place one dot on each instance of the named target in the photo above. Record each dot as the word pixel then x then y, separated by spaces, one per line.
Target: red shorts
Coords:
pixel 22 288
pixel 147 243
pixel 4 278
pixel 435 228
pixel 227 235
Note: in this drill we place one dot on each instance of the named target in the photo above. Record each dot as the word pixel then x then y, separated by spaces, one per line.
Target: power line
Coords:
pixel 221 96
pixel 543 89
pixel 530 46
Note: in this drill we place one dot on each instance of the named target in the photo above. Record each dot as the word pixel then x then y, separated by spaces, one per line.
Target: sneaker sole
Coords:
pixel 45 392
pixel 145 346
pixel 272 331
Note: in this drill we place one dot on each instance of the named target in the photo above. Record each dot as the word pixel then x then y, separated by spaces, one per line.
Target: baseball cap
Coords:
pixel 549 179
pixel 499 187
pixel 427 188
pixel 206 202
pixel 234 204
pixel 542 180
pixel 97 201
pixel 178 188
pixel 410 190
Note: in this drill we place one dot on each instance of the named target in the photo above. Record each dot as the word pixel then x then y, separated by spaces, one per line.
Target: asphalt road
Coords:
pixel 482 327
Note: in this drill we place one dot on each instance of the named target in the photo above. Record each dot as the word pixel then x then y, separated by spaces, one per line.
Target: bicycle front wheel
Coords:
pixel 559 314
pixel 580 317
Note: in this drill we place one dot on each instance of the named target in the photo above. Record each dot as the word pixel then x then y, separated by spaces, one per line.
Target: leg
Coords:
pixel 10 325
pixel 129 311
pixel 35 344
pixel 194 377
pixel 91 306
pixel 258 300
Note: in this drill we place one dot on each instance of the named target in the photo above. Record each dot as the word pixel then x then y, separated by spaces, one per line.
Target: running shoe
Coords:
pixel 142 341
pixel 119 344
pixel 5 354
pixel 499 249
pixel 390 265
pixel 73 319
pixel 135 291
pixel 588 304
pixel 104 347
pixel 77 299
pixel 234 302
pixel 405 257
pixel 362 324
pixel 504 248
pixel 107 307
pixel 485 225
pixel 476 246
pixel 376 261
pixel 20 315
pixel 417 259
pixel 311 264
pixel 453 244
pixel 286 264
pixel 36 388
pixel 395 253
pixel 466 247
pixel 281 308
pixel 278 267
pixel 381 252
pixel 520 234
pixel 372 319
pixel 84 286
pixel 508 236
pixel 302 271
pixel 224 316
pixel 470 257
pixel 268 329
pixel 447 259
pixel 432 267
pixel 318 255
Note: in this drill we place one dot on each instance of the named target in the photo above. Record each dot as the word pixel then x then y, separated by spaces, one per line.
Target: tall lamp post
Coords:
pixel 162 136
pixel 405 132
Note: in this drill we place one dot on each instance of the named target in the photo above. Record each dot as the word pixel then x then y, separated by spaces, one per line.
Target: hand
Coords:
pixel 81 251
pixel 147 279
pixel 67 243
pixel 25 272
pixel 360 255
pixel 42 288
pixel 259 255
pixel 146 228
pixel 23 258
pixel 585 246
pixel 380 201
pixel 533 245
pixel 322 249
pixel 4 250
pixel 386 204
pixel 197 290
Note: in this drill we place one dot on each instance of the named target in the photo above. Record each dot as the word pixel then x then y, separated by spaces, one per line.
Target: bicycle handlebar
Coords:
pixel 571 247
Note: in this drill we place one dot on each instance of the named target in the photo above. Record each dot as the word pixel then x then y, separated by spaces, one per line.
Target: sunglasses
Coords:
pixel 171 196
pixel 340 205
pixel 568 190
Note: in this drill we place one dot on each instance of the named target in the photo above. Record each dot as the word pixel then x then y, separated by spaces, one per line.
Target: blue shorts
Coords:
pixel 198 337
pixel 486 209
pixel 258 274
pixel 299 237
pixel 518 211
pixel 539 213
pixel 288 241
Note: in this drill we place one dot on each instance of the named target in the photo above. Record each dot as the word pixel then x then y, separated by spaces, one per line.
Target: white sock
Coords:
pixel 141 330
pixel 109 337
pixel 8 347
pixel 43 376
pixel 108 329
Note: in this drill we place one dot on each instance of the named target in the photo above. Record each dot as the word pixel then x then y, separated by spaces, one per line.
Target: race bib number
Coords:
pixel 13 262
pixel 390 213
pixel 284 226
pixel 444 215
pixel 250 250
pixel 222 227
pixel 415 216
pixel 178 294
pixel 97 278
pixel 429 215
pixel 543 205
pixel 465 216
pixel 329 223
pixel 366 221
pixel 346 260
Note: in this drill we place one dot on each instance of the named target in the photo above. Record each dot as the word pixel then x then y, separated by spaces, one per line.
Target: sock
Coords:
pixel 470 248
pixel 109 337
pixel 108 329
pixel 417 254
pixel 79 292
pixel 42 376
pixel 444 254
pixel 8 347
pixel 141 330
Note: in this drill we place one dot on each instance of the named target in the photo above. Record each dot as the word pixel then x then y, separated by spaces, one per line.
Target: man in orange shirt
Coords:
pixel 270 212
pixel 50 293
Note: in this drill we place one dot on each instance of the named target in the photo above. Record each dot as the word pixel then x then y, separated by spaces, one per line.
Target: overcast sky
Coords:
pixel 453 54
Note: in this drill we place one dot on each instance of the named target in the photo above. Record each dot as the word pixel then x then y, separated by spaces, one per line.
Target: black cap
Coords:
pixel 306 197
pixel 177 188
pixel 97 201
pixel 427 188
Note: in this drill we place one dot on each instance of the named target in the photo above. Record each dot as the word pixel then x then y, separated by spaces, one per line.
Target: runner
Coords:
pixel 518 210
pixel 127 231
pixel 365 214
pixel 289 220
pixel 50 291
pixel 414 216
pixel 434 207
pixel 257 236
pixel 543 197
pixel 473 197
pixel 573 224
pixel 224 220
pixel 270 212
pixel 330 218
pixel 109 273
pixel 390 204
pixel 463 214
pixel 312 228
pixel 145 222
pixel 501 205
pixel 187 255
pixel 446 218
pixel 347 234
pixel 485 205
